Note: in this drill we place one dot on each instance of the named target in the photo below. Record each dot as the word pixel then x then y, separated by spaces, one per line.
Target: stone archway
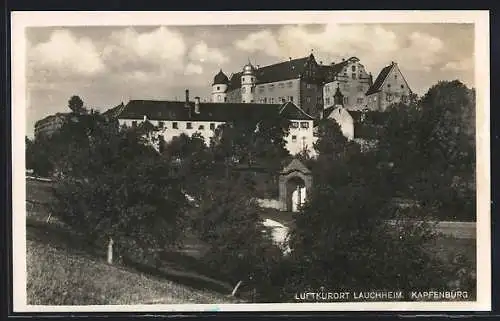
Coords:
pixel 295 182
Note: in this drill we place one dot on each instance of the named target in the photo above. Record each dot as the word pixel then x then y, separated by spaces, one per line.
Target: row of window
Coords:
pixel 244 90
pixel 389 86
pixel 175 125
pixel 303 124
pixel 272 100
pixel 359 100
pixel 294 138
pixel 271 86
pixel 360 88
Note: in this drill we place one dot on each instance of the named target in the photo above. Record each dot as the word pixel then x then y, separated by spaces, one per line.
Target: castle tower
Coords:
pixel 248 84
pixel 338 98
pixel 219 88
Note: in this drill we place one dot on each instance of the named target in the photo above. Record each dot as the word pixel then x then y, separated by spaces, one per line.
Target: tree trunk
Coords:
pixel 236 288
pixel 110 251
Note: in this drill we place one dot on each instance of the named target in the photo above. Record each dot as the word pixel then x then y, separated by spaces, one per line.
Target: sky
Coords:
pixel 107 65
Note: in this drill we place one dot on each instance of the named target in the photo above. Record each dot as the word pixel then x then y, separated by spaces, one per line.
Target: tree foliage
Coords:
pixel 114 185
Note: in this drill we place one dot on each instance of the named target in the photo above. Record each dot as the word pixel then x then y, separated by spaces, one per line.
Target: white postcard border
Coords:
pixel 22 20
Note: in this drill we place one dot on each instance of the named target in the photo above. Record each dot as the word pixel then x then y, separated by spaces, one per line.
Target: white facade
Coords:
pixel 301 137
pixel 301 132
pixel 219 94
pixel 170 129
pixel 344 120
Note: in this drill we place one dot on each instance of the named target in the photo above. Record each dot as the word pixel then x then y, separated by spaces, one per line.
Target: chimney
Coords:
pixel 187 97
pixel 197 105
pixel 289 58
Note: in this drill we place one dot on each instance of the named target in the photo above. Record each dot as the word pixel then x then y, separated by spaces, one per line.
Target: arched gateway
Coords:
pixel 295 182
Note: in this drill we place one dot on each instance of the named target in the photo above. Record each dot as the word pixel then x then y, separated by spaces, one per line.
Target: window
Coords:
pixel 261 89
pixel 359 100
pixel 283 100
pixel 396 77
pixel 212 126
pixel 308 99
pixel 218 87
pixel 308 86
pixel 201 127
pixel 134 123
pixel 271 87
pixel 353 75
pixel 272 100
pixel 294 138
pixel 225 99
pixel 242 79
pixel 265 100
pixel 252 89
pixel 291 98
pixel 346 100
pixel 161 124
pixel 243 90
pixel 388 85
pixel 219 97
pixel 327 100
pixel 282 85
pixel 189 125
pixel 304 124
pixel 360 88
pixel 389 97
pixel 402 87
pixel 251 101
pixel 290 84
pixel 327 89
pixel 353 68
pixel 404 99
pixel 294 124
pixel 174 125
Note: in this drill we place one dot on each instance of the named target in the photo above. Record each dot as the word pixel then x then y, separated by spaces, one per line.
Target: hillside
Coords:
pixel 64 270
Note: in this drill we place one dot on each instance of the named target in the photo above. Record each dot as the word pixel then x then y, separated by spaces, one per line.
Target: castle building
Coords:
pixel 352 79
pixel 296 80
pixel 389 88
pixel 173 118
pixel 47 126
pixel 312 86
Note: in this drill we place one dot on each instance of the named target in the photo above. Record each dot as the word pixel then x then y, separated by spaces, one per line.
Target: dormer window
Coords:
pixel 353 68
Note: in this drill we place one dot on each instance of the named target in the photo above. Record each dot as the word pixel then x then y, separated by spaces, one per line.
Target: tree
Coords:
pixel 341 238
pixel 75 103
pixel 118 190
pixel 432 149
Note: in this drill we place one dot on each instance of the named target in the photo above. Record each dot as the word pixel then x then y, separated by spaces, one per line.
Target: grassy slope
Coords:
pixel 63 270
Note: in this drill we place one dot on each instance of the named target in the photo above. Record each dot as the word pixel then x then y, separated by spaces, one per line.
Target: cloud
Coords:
pixel 263 40
pixel 159 48
pixel 202 53
pixel 375 45
pixel 459 65
pixel 64 54
pixel 193 69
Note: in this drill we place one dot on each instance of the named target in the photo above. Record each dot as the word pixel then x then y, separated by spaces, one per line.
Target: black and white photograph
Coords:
pixel 251 161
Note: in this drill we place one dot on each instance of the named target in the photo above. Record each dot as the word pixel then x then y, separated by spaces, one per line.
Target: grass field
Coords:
pixel 63 269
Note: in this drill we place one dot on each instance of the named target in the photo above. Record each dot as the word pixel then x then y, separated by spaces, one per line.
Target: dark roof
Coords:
pixel 377 118
pixel 291 69
pixel 114 112
pixel 376 86
pixel 290 111
pixel 177 110
pixel 221 79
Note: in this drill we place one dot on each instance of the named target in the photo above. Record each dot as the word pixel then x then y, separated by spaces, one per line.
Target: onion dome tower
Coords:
pixel 219 87
pixel 248 81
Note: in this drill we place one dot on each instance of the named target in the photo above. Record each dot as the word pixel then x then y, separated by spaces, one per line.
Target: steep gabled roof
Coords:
pixel 221 79
pixel 291 111
pixel 377 84
pixel 114 112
